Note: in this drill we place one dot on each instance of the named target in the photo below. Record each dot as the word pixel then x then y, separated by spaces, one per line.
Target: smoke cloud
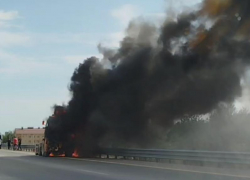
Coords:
pixel 187 67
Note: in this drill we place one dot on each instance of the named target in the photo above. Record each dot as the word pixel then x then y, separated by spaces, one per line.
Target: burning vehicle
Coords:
pixel 187 67
pixel 53 143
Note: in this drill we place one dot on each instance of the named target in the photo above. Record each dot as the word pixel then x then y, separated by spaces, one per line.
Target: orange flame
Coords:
pixel 75 154
pixel 53 155
pixel 61 155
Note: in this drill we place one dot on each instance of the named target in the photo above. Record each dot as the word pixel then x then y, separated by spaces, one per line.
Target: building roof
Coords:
pixel 29 131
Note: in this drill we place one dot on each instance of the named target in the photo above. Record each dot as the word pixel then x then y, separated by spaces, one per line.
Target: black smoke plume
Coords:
pixel 187 67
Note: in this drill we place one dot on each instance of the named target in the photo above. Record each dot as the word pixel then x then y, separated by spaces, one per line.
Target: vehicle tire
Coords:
pixel 46 154
pixel 40 151
pixel 68 154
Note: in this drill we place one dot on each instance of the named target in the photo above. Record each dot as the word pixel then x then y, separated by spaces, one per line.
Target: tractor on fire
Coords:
pixel 55 142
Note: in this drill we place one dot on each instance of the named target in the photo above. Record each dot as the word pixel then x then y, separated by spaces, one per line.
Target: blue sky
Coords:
pixel 42 42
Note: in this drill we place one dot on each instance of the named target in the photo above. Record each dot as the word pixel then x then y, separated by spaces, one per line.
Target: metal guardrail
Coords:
pixel 185 156
pixel 200 157
pixel 29 148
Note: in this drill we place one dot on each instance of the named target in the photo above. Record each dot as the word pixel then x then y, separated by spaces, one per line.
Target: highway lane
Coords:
pixel 26 166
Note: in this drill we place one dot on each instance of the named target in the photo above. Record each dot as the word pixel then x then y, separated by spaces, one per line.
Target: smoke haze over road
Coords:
pixel 187 67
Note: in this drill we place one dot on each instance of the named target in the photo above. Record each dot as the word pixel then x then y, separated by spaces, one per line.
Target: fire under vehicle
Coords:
pixel 55 143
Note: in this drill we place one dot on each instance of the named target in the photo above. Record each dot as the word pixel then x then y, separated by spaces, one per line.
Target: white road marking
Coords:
pixel 163 168
pixel 135 165
pixel 17 152
pixel 93 172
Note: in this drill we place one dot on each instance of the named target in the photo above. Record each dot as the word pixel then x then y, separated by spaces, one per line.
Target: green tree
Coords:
pixel 8 135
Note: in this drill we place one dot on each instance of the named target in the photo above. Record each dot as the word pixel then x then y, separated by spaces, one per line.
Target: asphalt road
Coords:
pixel 26 166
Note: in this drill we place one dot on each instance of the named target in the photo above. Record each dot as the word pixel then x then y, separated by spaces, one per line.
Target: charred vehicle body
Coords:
pixel 54 144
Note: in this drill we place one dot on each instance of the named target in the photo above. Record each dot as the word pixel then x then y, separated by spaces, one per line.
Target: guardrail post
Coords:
pixel 201 158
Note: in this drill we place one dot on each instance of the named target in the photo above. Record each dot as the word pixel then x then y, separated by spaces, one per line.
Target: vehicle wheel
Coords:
pixel 46 154
pixel 40 151
pixel 68 154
